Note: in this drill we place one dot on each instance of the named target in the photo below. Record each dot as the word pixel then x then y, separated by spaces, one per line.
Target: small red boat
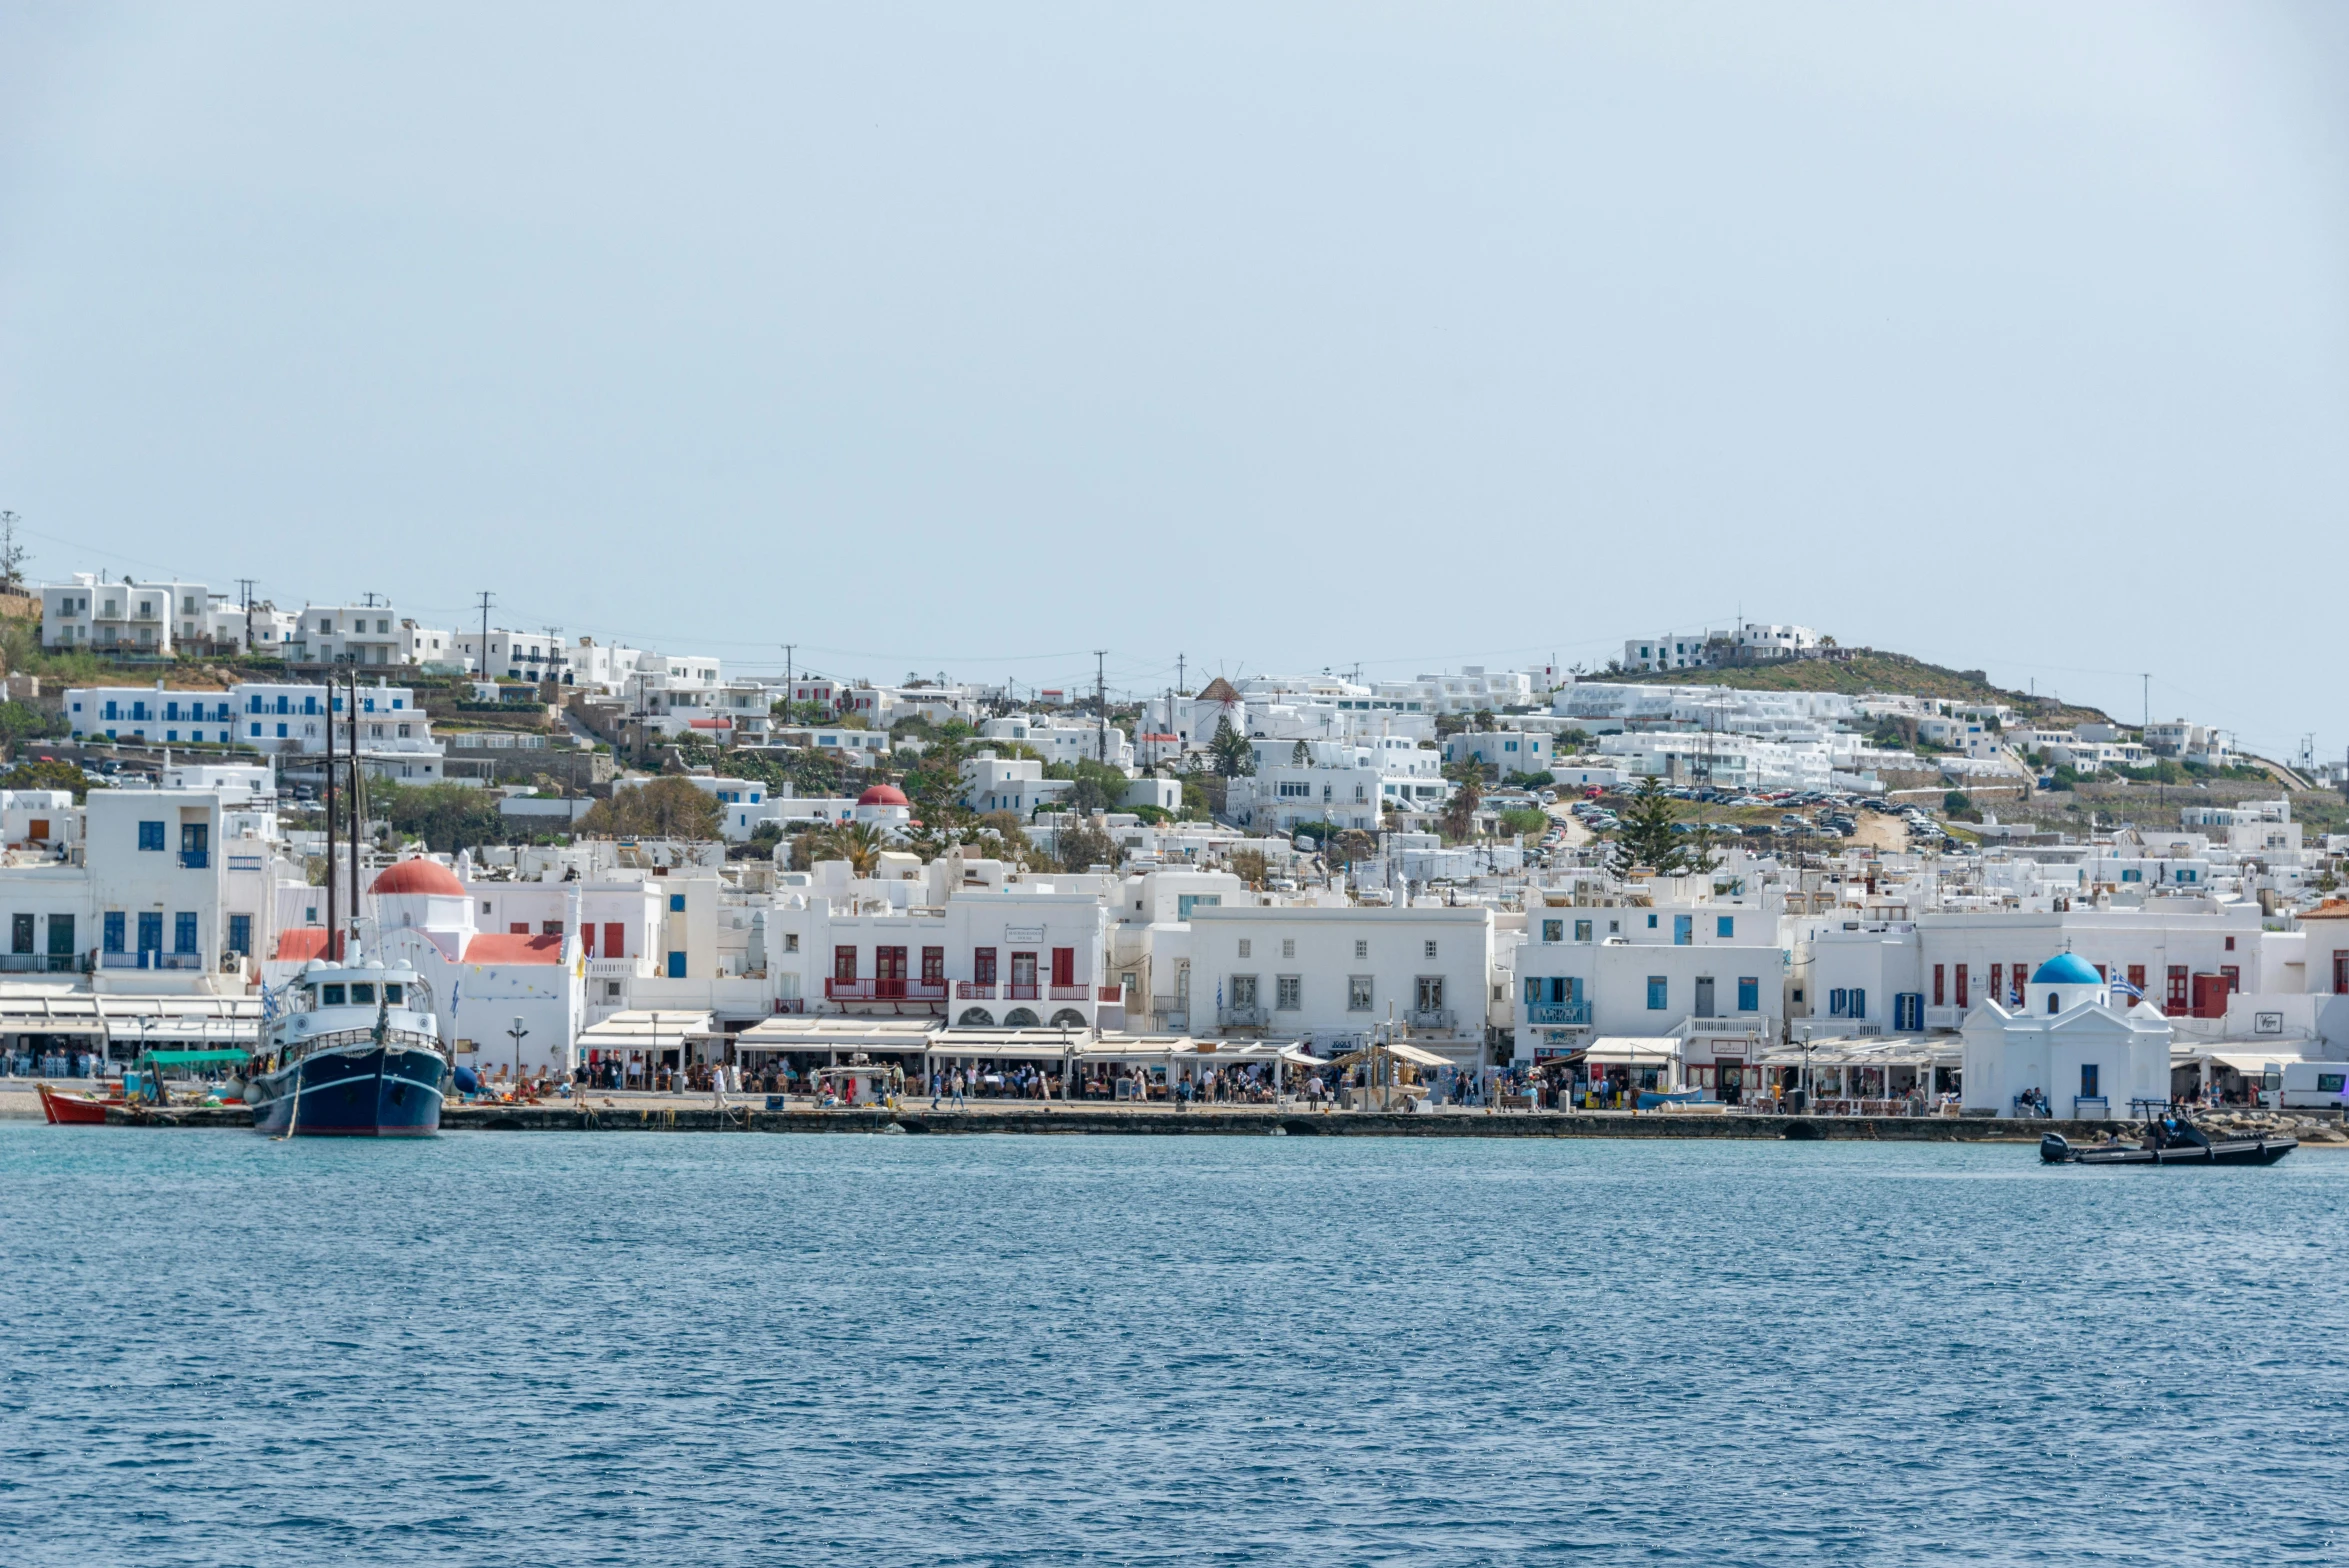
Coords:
pixel 74 1110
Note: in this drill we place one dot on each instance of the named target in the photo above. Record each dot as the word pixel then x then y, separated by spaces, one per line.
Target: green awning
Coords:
pixel 191 1058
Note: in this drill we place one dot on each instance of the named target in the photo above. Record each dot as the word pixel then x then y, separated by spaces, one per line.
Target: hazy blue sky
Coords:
pixel 1282 336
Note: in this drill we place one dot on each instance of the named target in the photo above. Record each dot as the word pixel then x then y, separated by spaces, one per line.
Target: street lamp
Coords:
pixel 517 1034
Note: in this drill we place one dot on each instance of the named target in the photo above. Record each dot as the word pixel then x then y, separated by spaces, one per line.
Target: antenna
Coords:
pixel 245 593
pixel 1101 698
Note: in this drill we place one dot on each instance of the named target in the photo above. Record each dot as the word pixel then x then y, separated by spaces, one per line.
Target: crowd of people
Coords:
pixel 51 1064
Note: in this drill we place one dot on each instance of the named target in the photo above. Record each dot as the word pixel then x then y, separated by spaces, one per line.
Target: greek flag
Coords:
pixel 2118 984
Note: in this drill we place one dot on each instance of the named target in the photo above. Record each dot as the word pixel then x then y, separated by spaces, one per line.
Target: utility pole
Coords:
pixel 1101 698
pixel 788 649
pixel 11 556
pixel 2147 721
pixel 1180 685
pixel 245 592
pixel 481 663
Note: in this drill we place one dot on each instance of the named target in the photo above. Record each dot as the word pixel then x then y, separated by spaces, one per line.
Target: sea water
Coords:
pixel 643 1348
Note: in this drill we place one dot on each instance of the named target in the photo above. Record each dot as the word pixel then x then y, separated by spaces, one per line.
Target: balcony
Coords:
pixel 194 859
pixel 1240 1017
pixel 1557 1013
pixel 1021 991
pixel 1110 993
pixel 974 990
pixel 1077 993
pixel 1442 1018
pixel 885 990
pixel 149 960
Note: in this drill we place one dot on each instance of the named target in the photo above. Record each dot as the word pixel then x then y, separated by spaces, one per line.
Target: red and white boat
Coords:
pixel 74 1110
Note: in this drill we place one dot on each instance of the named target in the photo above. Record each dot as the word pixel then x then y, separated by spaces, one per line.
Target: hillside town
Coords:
pixel 1695 874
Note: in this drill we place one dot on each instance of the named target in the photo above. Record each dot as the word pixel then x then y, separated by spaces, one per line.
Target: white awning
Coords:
pixel 798 1033
pixel 2253 1061
pixel 653 1029
pixel 1632 1050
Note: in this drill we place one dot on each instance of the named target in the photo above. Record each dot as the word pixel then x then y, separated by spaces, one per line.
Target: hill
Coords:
pixel 1857 670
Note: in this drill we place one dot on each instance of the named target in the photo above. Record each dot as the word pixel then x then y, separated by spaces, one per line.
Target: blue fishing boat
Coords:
pixel 350 1050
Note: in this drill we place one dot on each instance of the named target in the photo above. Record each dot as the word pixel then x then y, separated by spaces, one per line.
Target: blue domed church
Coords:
pixel 2087 1051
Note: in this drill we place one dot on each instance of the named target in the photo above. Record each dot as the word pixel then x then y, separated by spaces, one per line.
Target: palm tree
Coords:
pixel 858 843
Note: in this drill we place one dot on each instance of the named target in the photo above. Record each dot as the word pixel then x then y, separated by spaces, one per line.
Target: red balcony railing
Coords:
pixel 1072 993
pixel 885 990
pixel 1018 991
pixel 1110 993
pixel 975 990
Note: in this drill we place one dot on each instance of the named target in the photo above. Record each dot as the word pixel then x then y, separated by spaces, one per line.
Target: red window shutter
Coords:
pixel 587 938
pixel 615 940
pixel 518 927
pixel 1064 966
pixel 1964 990
pixel 1937 994
pixel 1998 982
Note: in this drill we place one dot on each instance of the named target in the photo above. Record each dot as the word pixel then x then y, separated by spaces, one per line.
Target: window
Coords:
pixel 1683 930
pixel 1288 947
pixel 1246 947
pixel 1581 930
pixel 1243 992
pixel 2088 1081
pixel 1659 993
pixel 2137 978
pixel 1430 949
pixel 151 931
pixel 151 835
pixel 1937 992
pixel 1553 931
pixel 844 964
pixel 1429 993
pixel 109 930
pixel 1749 994
pixel 1064 966
pixel 791 941
pixel 676 903
pixel 183 931
pixel 676 966
pixel 1361 948
pixel 1964 988
pixel 933 966
pixel 1651 922
pixel 550 928
pixel 1287 993
pixel 1357 993
pixel 2230 944
pixel 983 965
pixel 1725 927
pixel 20 933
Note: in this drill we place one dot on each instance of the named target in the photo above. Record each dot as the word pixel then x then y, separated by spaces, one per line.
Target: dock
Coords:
pixel 697 1114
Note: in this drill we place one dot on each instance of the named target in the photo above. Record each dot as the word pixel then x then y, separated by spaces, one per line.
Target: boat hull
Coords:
pixel 73 1110
pixel 386 1091
pixel 2219 1151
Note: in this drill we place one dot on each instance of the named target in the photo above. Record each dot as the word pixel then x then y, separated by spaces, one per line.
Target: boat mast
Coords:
pixel 333 922
pixel 352 754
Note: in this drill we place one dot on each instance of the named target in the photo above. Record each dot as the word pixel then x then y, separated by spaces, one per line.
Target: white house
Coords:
pixel 348 634
pixel 87 611
pixel 1511 751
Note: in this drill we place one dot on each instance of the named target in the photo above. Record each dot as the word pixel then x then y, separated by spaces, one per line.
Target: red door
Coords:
pixel 1964 987
pixel 1064 968
pixel 889 973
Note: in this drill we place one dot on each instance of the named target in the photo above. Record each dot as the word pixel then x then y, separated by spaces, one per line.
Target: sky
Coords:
pixel 1272 337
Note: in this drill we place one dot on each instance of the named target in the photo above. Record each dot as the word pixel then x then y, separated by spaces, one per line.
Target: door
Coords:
pixel 1732 1085
pixel 20 933
pixel 60 942
pixel 1064 970
pixel 1430 994
pixel 1683 930
pixel 889 973
pixel 1704 997
pixel 1023 976
pixel 150 934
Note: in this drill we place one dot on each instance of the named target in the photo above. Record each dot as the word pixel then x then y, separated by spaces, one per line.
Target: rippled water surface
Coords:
pixel 495 1348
